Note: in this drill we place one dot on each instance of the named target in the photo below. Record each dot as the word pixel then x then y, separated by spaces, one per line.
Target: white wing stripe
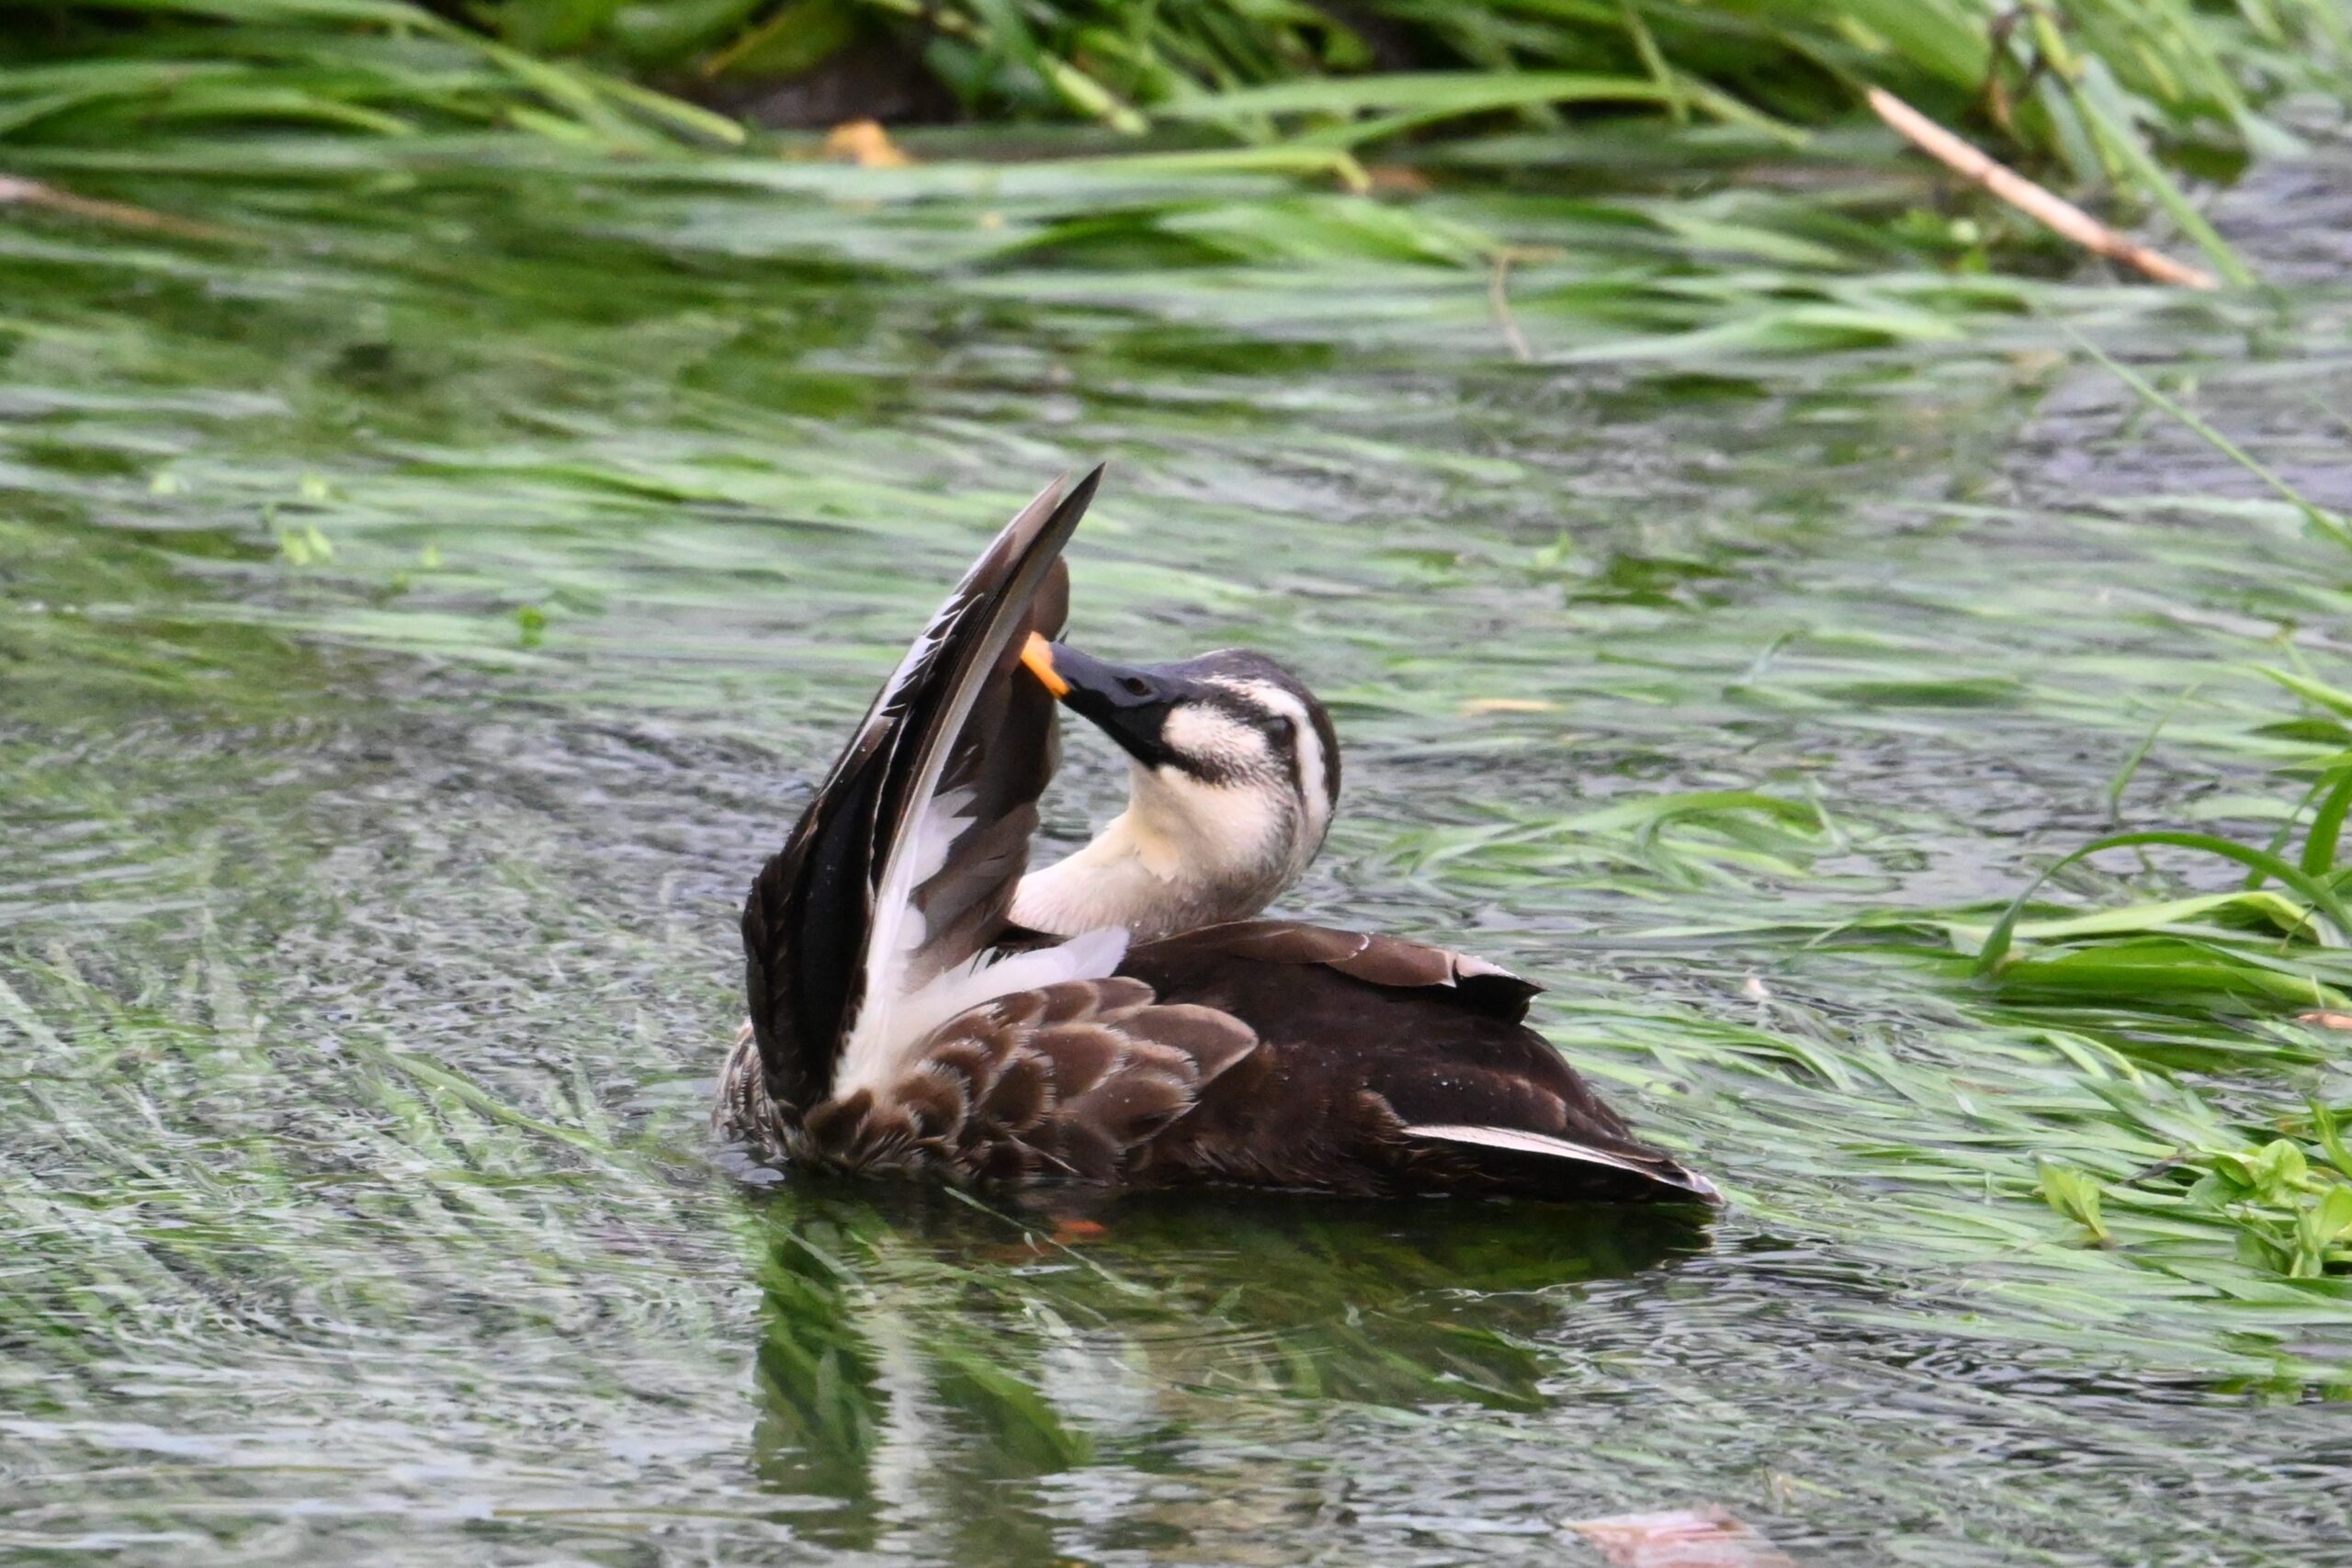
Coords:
pixel 892 1020
pixel 1517 1142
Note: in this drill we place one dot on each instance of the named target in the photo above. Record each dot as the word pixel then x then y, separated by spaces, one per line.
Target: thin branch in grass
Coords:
pixel 18 192
pixel 2044 207
pixel 1499 300
pixel 2107 115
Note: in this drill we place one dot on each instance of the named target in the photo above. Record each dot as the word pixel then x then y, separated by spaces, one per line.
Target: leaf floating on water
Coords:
pixel 1685 1537
pixel 866 144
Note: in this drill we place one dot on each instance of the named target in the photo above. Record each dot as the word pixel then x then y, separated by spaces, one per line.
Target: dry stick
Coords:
pixel 34 193
pixel 2028 198
pixel 1499 300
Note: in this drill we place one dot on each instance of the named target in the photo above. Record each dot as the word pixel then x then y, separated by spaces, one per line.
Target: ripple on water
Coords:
pixel 366 940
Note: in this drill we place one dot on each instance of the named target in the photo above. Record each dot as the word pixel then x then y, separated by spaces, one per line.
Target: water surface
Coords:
pixel 418 620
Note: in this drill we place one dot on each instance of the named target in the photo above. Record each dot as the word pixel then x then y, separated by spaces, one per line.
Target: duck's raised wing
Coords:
pixel 881 904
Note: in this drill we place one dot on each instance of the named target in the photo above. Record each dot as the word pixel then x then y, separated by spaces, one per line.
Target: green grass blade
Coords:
pixel 2327 523
pixel 1427 95
pixel 2320 896
pixel 2327 827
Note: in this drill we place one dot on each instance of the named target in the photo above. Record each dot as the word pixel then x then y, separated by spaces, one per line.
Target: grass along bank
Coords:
pixel 2118 101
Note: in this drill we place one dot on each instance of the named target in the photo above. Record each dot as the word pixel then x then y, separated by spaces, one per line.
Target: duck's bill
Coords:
pixel 1129 703
pixel 1038 655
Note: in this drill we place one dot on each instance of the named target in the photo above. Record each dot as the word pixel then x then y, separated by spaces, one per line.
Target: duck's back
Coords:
pixel 1383 1067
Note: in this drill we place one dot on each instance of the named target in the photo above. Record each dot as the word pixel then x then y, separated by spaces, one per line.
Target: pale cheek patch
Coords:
pixel 1198 730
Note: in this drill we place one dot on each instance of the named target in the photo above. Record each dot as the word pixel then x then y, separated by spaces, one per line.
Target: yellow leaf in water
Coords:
pixel 866 144
pixel 1508 704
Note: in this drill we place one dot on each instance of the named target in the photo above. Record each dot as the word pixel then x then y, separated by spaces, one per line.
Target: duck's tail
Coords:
pixel 1539 1165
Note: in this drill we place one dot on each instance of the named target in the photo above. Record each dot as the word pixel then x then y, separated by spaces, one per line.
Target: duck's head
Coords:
pixel 1233 773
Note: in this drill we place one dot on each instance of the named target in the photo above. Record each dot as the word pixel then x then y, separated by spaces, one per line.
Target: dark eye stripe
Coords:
pixel 1329 739
pixel 1252 712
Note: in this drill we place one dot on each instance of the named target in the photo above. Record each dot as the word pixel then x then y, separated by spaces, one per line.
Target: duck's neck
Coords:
pixel 1183 854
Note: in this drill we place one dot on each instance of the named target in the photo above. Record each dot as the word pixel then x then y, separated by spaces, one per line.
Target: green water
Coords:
pixel 420 613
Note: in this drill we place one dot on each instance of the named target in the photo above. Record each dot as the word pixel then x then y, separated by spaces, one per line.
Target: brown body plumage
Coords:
pixel 1268 1053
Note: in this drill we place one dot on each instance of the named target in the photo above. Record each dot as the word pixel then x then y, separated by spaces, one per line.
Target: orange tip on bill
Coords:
pixel 1038 655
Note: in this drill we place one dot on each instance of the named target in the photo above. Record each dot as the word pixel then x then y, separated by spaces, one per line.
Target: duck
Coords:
pixel 922 1003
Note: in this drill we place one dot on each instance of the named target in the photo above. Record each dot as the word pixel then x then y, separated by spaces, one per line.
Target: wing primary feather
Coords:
pixel 1656 1170
pixel 826 922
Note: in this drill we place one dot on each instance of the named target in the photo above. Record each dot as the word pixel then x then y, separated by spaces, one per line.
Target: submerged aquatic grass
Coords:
pixel 2166 992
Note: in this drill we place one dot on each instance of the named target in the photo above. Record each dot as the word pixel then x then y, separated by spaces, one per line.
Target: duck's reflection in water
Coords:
pixel 931 1370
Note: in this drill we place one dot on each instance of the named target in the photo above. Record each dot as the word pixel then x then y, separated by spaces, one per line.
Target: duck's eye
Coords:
pixel 1137 686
